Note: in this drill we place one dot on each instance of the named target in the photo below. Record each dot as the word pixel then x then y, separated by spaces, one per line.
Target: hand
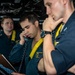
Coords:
pixel 22 38
pixel 50 24
pixel 14 73
pixel 72 69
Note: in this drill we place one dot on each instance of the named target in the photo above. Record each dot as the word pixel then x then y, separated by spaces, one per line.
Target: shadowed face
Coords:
pixel 7 25
pixel 29 28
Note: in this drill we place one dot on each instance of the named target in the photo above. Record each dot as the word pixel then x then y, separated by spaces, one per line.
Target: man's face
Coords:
pixel 54 8
pixel 7 25
pixel 29 29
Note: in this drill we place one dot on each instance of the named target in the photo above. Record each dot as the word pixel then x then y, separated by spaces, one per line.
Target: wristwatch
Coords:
pixel 44 33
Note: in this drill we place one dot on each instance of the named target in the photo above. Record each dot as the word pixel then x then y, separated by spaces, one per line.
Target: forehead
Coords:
pixel 49 1
pixel 7 20
pixel 25 23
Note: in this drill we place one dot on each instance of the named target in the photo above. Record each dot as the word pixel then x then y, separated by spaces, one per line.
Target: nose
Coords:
pixel 26 31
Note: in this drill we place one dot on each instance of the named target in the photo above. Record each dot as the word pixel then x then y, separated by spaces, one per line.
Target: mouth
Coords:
pixel 28 35
pixel 53 16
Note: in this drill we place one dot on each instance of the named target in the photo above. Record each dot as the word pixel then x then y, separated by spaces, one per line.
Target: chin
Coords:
pixel 9 30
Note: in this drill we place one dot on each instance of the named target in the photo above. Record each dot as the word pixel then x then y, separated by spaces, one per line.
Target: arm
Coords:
pixel 42 68
pixel 17 51
pixel 14 73
pixel 48 63
pixel 48 46
pixel 72 69
pixel 52 56
pixel 5 69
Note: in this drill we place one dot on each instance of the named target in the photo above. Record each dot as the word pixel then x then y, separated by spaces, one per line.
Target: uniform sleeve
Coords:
pixel 64 54
pixel 7 70
pixel 16 53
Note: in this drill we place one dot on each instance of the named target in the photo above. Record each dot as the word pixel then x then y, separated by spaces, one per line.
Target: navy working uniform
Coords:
pixel 6 44
pixel 64 54
pixel 30 64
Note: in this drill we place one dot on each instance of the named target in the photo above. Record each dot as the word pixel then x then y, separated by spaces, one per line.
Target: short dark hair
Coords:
pixel 6 17
pixel 32 17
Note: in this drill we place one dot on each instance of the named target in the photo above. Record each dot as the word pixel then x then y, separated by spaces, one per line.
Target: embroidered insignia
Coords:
pixel 65 29
pixel 39 54
pixel 17 41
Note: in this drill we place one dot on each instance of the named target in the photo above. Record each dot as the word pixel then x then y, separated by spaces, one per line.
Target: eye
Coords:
pixel 7 23
pixel 22 29
pixel 11 23
pixel 27 27
pixel 49 5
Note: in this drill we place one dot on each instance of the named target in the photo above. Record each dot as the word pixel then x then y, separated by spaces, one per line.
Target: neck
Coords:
pixel 67 16
pixel 36 39
pixel 68 12
pixel 8 33
pixel 37 36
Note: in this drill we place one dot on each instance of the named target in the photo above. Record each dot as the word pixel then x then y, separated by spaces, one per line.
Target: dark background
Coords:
pixel 16 9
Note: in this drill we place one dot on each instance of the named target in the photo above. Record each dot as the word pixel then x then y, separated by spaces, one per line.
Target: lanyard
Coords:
pixel 57 33
pixel 35 48
pixel 13 35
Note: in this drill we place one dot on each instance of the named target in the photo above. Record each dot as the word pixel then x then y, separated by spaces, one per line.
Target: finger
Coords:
pixel 59 21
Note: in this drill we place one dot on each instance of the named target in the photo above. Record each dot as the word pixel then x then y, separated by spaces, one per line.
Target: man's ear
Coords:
pixel 36 23
pixel 65 1
pixel 2 25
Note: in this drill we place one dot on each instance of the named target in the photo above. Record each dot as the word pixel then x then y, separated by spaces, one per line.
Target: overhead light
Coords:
pixel 17 1
pixel 3 4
